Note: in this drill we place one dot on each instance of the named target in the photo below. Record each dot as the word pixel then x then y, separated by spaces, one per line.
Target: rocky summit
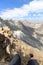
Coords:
pixel 10 46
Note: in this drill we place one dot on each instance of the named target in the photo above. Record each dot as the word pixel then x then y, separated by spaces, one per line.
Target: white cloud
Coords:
pixel 33 6
pixel 37 0
pixel 36 5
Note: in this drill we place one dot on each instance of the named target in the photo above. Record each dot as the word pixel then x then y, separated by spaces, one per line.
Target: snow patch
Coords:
pixel 18 34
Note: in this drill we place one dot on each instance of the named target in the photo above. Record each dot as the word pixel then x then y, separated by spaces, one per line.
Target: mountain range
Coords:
pixel 30 33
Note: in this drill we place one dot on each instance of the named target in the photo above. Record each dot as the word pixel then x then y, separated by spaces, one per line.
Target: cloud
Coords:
pixel 37 0
pixel 33 9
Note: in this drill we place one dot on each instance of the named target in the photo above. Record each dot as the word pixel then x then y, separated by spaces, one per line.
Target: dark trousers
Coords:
pixel 17 61
pixel 32 62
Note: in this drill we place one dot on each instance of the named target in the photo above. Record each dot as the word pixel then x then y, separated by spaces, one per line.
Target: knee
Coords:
pixel 16 60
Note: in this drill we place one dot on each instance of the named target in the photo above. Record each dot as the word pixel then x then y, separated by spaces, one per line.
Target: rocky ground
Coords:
pixel 9 46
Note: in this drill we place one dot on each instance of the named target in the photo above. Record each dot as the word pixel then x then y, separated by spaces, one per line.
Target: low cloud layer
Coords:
pixel 33 10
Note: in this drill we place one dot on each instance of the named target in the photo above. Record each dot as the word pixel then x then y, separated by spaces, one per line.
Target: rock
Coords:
pixel 2 38
pixel 8 49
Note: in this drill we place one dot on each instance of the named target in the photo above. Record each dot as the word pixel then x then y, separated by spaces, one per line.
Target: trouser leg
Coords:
pixel 33 62
pixel 16 60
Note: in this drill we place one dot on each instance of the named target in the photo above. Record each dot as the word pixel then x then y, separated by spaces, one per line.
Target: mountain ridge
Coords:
pixel 31 30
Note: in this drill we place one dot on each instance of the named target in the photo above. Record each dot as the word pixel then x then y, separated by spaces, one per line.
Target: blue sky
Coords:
pixel 31 10
pixel 4 4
